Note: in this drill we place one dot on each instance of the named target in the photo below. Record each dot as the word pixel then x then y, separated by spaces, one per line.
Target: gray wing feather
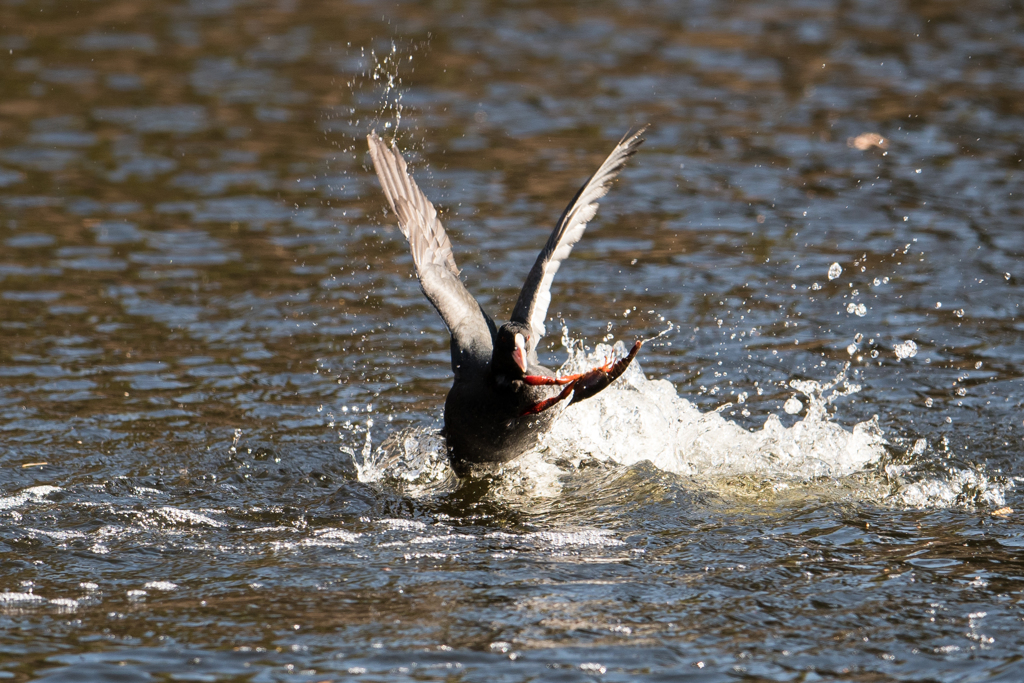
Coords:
pixel 532 306
pixel 471 329
pixel 397 183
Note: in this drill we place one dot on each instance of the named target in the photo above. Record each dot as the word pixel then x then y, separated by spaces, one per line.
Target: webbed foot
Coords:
pixel 583 385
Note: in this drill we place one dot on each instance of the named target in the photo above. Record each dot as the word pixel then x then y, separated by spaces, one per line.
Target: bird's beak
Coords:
pixel 519 355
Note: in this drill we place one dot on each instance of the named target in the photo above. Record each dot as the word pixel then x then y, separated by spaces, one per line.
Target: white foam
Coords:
pixel 583 539
pixel 161 586
pixel 10 599
pixel 426 540
pixel 34 493
pixel 187 517
pixel 57 535
pixel 404 524
pixel 65 605
pixel 637 419
pixel 957 487
pixel 322 538
pixel 338 535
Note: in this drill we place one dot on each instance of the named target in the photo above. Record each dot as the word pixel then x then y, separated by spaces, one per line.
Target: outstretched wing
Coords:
pixel 471 329
pixel 532 306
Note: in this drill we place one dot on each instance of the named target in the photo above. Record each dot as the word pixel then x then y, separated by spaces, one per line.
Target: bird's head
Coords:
pixel 511 349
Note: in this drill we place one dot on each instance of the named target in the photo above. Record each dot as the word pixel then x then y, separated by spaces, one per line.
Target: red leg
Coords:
pixel 541 406
pixel 597 379
pixel 584 385
pixel 543 380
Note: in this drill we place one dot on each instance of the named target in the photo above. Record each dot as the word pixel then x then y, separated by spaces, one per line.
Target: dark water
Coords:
pixel 207 317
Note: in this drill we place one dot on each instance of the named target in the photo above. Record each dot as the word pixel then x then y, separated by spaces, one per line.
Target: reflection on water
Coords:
pixel 209 323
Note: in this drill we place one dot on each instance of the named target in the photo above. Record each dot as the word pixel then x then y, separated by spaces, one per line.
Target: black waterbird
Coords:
pixel 498 405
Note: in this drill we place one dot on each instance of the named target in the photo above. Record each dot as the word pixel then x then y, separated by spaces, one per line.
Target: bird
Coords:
pixel 501 398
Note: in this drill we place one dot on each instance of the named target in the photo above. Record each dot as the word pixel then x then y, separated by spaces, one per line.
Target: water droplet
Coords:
pixel 834 271
pixel 938 304
pixel 908 349
pixel 793 406
pixel 234 441
pixel 928 402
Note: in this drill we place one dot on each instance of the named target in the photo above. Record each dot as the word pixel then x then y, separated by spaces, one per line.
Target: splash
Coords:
pixel 385 74
pixel 638 419
pixel 414 461
pixel 921 474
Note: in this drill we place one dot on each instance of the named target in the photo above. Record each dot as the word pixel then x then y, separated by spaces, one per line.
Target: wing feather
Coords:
pixel 471 329
pixel 397 183
pixel 535 297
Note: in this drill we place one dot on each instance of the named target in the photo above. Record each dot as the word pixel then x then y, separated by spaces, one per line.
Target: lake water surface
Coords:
pixel 220 386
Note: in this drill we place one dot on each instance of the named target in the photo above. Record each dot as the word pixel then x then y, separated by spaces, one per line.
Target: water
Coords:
pixel 220 389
